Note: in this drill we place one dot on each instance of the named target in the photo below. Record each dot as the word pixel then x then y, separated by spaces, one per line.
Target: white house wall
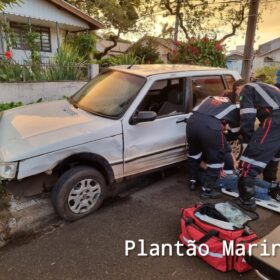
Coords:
pixel 43 10
pixel 259 61
pixel 235 65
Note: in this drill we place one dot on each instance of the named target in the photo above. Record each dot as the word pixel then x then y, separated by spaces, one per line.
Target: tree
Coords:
pixel 120 16
pixel 145 50
pixel 203 17
pixel 203 51
pixel 167 31
pixel 198 18
pixel 4 3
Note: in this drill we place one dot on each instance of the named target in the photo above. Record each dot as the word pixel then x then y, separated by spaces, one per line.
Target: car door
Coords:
pixel 157 143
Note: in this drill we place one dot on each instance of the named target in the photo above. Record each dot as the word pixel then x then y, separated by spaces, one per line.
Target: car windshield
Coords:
pixel 109 94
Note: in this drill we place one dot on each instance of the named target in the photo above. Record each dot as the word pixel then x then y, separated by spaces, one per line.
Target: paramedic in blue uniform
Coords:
pixel 206 140
pixel 261 101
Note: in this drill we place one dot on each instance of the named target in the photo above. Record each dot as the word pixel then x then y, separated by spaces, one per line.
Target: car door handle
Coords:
pixel 182 120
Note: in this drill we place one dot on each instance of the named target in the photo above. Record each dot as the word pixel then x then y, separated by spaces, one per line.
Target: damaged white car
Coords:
pixel 126 121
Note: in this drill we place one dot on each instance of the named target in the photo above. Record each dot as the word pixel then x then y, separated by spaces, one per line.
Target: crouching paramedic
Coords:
pixel 262 101
pixel 206 139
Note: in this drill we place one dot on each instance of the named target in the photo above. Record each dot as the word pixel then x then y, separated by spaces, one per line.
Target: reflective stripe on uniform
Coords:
pixel 235 129
pixel 276 159
pixel 229 172
pixel 248 111
pixel 215 165
pixel 254 162
pixel 265 96
pixel 197 156
pixel 225 112
pixel 198 106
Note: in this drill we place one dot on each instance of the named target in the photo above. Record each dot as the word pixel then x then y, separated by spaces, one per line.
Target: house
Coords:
pixel 268 54
pixel 235 58
pixel 52 19
pixel 163 46
pixel 119 49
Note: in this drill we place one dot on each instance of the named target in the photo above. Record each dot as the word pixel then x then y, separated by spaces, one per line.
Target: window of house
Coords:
pixel 165 97
pixel 206 86
pixel 20 31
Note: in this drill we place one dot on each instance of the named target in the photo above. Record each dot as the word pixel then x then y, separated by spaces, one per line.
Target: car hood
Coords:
pixel 41 128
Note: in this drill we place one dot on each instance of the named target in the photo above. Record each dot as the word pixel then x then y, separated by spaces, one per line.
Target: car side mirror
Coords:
pixel 143 116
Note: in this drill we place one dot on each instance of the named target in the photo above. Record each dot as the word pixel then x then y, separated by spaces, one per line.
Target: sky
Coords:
pixel 268 28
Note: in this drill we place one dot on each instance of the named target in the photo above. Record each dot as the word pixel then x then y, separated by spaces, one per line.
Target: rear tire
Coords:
pixel 78 192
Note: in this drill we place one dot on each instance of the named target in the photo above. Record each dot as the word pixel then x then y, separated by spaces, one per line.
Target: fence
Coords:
pixel 11 71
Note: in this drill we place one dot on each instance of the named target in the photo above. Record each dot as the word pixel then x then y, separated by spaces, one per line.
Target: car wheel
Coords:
pixel 78 192
pixel 237 148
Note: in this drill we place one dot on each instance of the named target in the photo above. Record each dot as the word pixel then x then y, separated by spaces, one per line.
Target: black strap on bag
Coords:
pixel 211 233
pixel 189 221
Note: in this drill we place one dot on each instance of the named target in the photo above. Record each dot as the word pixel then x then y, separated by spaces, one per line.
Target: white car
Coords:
pixel 126 121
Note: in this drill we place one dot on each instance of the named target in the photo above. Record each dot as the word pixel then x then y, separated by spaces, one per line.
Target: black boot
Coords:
pixel 274 191
pixel 270 172
pixel 249 205
pixel 208 191
pixel 192 185
pixel 246 200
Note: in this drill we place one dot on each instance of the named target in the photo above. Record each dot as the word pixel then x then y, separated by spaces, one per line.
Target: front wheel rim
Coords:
pixel 84 196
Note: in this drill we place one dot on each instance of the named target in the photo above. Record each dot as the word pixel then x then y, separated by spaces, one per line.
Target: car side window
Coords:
pixel 206 86
pixel 230 81
pixel 165 97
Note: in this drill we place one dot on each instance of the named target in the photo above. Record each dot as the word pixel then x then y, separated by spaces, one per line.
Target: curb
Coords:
pixel 25 215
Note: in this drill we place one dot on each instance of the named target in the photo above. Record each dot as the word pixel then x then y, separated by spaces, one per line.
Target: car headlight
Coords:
pixel 8 170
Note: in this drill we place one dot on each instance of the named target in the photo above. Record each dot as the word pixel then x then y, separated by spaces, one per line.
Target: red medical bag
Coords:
pixel 216 237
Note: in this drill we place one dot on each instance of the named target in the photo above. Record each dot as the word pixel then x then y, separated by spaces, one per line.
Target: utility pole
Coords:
pixel 176 29
pixel 250 37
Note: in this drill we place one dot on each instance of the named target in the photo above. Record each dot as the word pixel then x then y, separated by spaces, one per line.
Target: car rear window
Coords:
pixel 204 86
pixel 212 85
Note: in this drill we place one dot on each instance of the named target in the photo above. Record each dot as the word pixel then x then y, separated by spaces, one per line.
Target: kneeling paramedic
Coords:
pixel 206 139
pixel 262 101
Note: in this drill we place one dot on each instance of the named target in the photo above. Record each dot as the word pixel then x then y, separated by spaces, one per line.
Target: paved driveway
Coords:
pixel 93 248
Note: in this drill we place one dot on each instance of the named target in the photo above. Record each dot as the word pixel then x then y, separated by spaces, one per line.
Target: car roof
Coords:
pixel 155 69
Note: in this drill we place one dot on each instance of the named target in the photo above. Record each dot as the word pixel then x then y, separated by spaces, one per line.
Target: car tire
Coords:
pixel 78 192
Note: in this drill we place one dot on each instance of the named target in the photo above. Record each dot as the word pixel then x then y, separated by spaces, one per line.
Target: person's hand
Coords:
pixel 223 173
pixel 226 129
pixel 203 165
pixel 235 163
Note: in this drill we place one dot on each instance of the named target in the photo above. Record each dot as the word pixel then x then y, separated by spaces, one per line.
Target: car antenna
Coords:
pixel 130 66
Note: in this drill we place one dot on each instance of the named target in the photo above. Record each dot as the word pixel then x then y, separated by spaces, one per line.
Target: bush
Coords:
pixel 85 44
pixel 125 59
pixel 146 52
pixel 198 51
pixel 7 106
pixel 267 74
pixel 66 65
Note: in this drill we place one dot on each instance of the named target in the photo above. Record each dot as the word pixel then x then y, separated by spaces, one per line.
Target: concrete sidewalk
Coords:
pixel 23 216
